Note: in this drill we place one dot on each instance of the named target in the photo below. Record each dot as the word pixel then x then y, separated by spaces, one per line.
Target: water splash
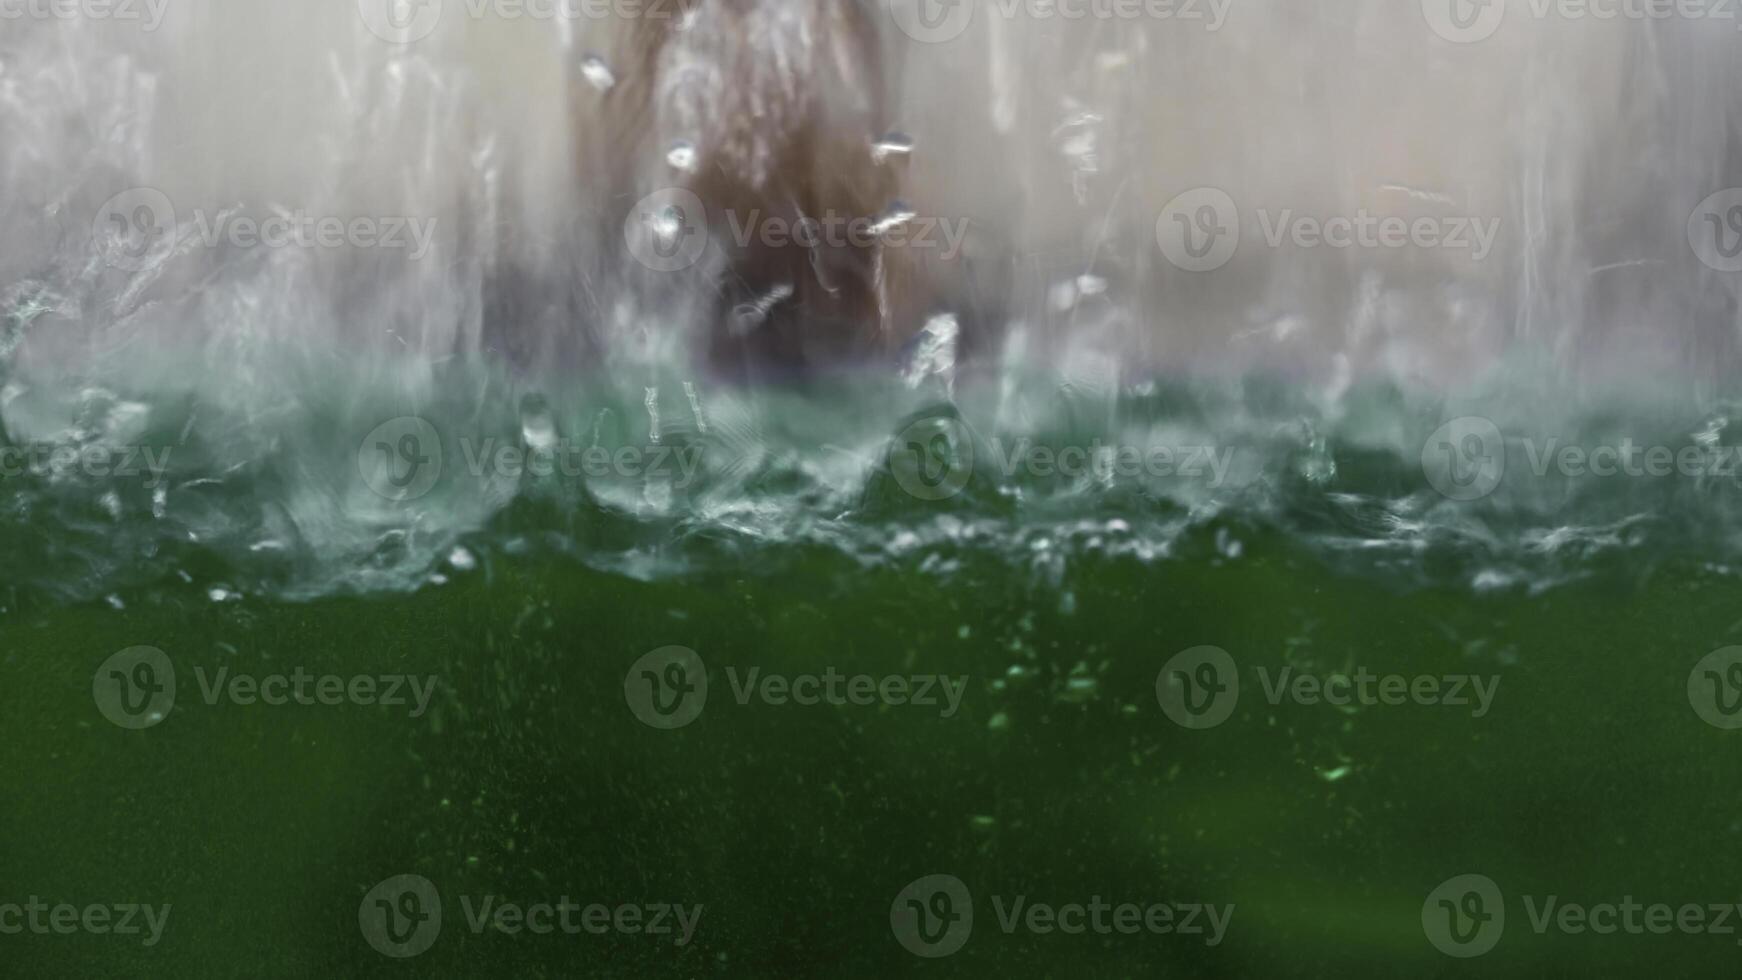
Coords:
pixel 274 384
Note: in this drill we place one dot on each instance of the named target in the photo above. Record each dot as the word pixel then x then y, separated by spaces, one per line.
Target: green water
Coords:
pixel 794 828
pixel 1540 712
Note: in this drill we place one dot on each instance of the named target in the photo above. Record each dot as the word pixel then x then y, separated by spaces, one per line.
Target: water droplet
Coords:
pixel 652 403
pixel 537 426
pixel 891 145
pixel 462 560
pixel 1000 722
pixel 689 388
pixel 1080 690
pixel 682 156
pixel 894 217
pixel 597 73
pixel 1227 545
pixel 932 352
pixel 748 316
pixel 1315 463
pixel 1333 775
pixel 668 229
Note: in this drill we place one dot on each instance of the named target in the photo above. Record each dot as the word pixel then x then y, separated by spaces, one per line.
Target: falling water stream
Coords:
pixel 257 376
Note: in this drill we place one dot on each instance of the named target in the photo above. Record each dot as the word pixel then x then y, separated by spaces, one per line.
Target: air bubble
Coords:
pixel 682 156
